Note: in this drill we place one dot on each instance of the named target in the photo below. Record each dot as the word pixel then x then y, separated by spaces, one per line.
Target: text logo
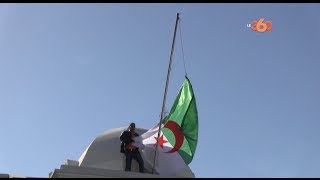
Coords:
pixel 260 26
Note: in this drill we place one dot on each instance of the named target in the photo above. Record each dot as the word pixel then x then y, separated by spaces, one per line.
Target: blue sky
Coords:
pixel 68 72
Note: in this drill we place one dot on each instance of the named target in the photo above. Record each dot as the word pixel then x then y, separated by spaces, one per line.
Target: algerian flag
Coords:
pixel 178 136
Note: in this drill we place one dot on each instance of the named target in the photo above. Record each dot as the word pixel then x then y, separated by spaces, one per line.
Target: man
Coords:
pixel 129 149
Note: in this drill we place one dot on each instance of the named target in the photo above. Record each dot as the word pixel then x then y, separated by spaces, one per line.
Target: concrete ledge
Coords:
pixel 86 172
pixel 4 175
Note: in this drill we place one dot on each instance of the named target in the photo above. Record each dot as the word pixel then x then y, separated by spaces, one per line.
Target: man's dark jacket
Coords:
pixel 125 139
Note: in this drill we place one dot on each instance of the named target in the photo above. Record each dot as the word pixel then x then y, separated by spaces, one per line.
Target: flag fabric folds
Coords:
pixel 178 136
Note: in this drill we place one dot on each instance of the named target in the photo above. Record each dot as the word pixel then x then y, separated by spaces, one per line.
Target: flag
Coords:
pixel 178 137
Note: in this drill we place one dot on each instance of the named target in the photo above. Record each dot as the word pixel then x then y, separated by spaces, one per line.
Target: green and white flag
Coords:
pixel 178 136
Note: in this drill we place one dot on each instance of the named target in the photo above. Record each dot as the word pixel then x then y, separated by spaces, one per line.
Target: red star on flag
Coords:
pixel 161 141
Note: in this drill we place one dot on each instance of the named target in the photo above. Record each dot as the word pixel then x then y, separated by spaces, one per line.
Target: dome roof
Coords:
pixel 104 153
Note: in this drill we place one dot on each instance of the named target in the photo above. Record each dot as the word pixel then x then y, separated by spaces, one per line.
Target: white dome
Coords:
pixel 104 153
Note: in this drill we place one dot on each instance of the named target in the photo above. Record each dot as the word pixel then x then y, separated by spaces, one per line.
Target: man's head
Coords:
pixel 132 126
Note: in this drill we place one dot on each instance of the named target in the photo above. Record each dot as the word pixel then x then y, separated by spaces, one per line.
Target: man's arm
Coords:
pixel 125 137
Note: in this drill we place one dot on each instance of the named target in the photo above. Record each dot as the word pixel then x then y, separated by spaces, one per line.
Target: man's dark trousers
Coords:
pixel 135 154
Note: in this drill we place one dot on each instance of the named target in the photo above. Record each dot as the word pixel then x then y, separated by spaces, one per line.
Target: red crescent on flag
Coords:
pixel 175 128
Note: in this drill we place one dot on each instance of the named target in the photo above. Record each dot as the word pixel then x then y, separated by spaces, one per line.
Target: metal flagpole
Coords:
pixel 165 91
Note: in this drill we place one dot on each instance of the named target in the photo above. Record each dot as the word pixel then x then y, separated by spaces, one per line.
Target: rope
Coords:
pixel 184 63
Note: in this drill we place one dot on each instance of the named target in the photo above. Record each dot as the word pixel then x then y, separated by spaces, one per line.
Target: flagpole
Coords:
pixel 165 91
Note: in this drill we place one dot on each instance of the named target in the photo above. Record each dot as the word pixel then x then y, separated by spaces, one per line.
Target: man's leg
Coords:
pixel 128 160
pixel 138 158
